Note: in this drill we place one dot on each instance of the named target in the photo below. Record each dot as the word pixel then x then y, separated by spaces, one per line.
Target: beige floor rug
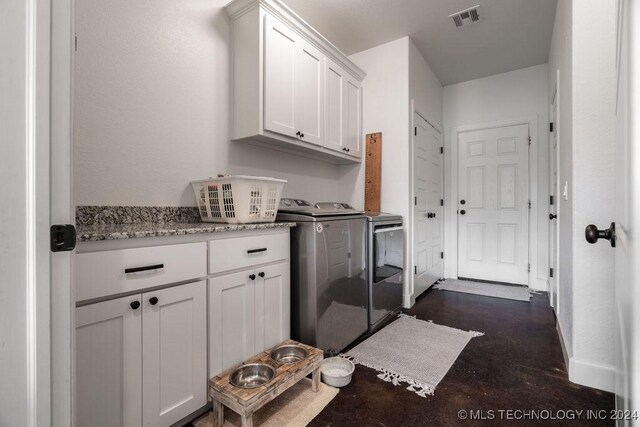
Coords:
pixel 413 352
pixel 295 407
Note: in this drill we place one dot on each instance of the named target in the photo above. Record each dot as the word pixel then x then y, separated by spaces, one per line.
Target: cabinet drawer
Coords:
pixel 100 274
pixel 240 252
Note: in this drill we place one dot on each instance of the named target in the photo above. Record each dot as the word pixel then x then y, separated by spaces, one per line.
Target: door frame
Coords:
pixel 451 262
pixel 409 297
pixel 555 96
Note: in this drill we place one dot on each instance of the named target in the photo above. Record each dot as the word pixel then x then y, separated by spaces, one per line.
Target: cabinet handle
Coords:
pixel 135 304
pixel 255 251
pixel 261 274
pixel 252 277
pixel 145 268
pixel 153 300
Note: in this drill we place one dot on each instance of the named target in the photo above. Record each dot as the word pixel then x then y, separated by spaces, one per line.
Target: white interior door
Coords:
pixel 553 206
pixel 427 214
pixel 493 205
pixel 627 277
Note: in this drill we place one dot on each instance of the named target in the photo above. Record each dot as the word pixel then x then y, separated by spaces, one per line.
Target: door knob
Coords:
pixel 462 212
pixel 153 300
pixel 592 234
pixel 552 216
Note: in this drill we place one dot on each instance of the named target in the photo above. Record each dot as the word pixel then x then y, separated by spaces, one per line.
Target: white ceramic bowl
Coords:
pixel 337 371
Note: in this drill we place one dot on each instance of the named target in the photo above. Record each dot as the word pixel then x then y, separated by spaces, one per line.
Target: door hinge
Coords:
pixel 529 140
pixel 551 272
pixel 529 268
pixel 529 204
pixel 441 150
pixel 550 126
pixel 63 237
pixel 75 42
pixel 441 202
pixel 415 269
pixel 415 131
pixel 551 201
pixel 441 255
pixel 415 201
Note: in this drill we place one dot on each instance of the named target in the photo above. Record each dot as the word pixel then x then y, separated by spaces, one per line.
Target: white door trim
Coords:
pixel 409 297
pixel 555 96
pixel 451 202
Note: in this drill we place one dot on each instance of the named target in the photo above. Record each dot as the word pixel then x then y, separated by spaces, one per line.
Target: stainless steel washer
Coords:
pixel 328 277
pixel 385 266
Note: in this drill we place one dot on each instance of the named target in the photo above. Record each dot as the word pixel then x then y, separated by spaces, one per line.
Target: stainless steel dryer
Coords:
pixel 385 266
pixel 328 277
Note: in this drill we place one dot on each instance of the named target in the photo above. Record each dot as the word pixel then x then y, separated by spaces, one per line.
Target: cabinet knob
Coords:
pixel 301 135
pixel 298 133
pixel 348 150
pixel 153 300
pixel 252 277
pixel 135 305
pixel 261 274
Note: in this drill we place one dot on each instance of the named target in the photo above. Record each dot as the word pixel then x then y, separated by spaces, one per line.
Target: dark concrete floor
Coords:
pixel 517 365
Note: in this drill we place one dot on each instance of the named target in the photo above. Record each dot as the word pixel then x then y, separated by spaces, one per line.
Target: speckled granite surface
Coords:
pixel 131 231
pixel 95 223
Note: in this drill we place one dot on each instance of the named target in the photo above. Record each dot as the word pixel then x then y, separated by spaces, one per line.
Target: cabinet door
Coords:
pixel 231 320
pixel 108 357
pixel 174 353
pixel 309 85
pixel 334 103
pixel 353 116
pixel 280 52
pixel 272 302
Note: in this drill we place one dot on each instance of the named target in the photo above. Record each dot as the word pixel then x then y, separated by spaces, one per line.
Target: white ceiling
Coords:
pixel 512 34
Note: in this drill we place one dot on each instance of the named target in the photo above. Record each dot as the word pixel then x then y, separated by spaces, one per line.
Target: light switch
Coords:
pixel 565 191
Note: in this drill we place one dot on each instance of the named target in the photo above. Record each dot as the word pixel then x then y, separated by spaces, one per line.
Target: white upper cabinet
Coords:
pixel 292 89
pixel 343 114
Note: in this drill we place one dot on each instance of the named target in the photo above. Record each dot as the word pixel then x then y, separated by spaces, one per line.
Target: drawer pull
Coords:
pixel 252 277
pixel 255 251
pixel 145 268
pixel 153 300
pixel 261 274
pixel 135 305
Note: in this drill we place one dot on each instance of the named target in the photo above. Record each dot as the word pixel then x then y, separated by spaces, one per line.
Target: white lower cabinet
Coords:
pixel 174 353
pixel 141 360
pixel 249 311
pixel 108 364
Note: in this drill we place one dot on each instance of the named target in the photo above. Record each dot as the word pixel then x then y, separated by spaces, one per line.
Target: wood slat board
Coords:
pixel 373 172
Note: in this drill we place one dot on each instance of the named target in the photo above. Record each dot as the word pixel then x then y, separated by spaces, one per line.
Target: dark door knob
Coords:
pixel 463 201
pixel 462 212
pixel 153 300
pixel 592 234
pixel 552 216
pixel 252 277
pixel 135 304
pixel 261 274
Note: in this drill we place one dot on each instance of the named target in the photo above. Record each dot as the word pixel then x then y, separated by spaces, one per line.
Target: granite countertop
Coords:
pixel 95 223
pixel 96 232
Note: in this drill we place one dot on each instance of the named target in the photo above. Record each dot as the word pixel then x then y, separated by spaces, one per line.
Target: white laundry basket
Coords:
pixel 238 199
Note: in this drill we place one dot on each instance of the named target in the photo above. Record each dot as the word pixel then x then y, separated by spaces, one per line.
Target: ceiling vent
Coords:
pixel 466 17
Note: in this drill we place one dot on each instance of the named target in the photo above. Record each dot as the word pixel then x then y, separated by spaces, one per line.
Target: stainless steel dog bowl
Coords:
pixel 289 353
pixel 252 375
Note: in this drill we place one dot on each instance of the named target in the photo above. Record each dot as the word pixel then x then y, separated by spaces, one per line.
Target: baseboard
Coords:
pixel 408 300
pixel 563 345
pixel 538 284
pixel 602 377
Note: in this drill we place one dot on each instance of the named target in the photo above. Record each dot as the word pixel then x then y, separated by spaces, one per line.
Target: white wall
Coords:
pixel 513 95
pixel 594 130
pixel 152 107
pixel 396 74
pixel 561 65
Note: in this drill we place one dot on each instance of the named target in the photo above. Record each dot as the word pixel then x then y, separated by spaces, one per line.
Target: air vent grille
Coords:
pixel 466 17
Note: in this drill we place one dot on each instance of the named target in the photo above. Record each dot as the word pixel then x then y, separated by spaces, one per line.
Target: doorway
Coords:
pixel 493 204
pixel 427 204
